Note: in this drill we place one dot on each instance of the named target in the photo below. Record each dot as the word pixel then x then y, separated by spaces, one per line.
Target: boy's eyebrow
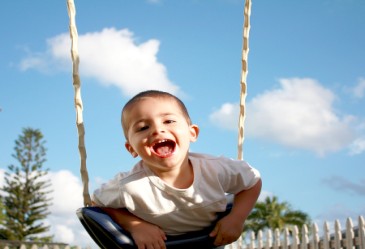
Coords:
pixel 168 114
pixel 141 120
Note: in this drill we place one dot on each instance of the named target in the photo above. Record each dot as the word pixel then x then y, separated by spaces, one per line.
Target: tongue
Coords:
pixel 164 149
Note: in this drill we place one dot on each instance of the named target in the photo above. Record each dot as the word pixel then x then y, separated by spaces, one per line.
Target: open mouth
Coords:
pixel 163 148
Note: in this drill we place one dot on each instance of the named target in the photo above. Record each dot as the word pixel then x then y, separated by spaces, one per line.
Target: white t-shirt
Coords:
pixel 174 210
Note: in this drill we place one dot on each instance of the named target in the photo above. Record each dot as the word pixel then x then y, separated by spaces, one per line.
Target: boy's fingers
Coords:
pixel 213 234
pixel 162 245
pixel 218 240
pixel 163 235
pixel 215 231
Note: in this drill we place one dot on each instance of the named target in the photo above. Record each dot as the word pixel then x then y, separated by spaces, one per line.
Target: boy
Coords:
pixel 172 191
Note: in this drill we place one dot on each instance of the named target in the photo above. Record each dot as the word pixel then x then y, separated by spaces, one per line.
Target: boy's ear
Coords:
pixel 130 149
pixel 194 132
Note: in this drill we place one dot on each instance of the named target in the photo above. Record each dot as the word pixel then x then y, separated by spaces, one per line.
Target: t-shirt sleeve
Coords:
pixel 238 175
pixel 108 195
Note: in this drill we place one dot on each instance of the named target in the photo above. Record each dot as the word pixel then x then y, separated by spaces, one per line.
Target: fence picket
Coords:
pixel 277 239
pixel 315 237
pixel 326 236
pixel 252 241
pixel 260 245
pixel 286 241
pixel 295 241
pixel 361 226
pixel 338 235
pixel 239 243
pixel 305 240
pixel 349 234
pixel 268 244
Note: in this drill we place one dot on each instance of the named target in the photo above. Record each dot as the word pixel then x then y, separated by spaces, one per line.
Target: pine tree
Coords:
pixel 2 218
pixel 26 191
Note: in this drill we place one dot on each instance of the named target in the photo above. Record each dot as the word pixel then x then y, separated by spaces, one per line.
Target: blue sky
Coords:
pixel 305 125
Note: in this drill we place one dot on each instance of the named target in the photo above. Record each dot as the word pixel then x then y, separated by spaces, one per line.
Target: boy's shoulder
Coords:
pixel 201 156
pixel 137 171
pixel 208 157
pixel 204 160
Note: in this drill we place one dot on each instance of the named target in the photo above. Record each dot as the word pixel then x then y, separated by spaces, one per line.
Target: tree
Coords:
pixel 2 217
pixel 272 214
pixel 26 191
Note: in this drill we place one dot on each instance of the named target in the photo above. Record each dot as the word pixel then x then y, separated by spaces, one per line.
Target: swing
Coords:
pixel 100 226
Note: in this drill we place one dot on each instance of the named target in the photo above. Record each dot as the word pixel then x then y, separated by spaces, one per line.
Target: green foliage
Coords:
pixel 272 214
pixel 25 194
pixel 2 218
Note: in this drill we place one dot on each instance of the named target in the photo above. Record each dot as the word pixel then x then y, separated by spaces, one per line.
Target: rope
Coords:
pixel 245 50
pixel 78 101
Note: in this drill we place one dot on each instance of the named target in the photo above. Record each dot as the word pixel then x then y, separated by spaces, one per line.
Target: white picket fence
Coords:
pixel 7 244
pixel 350 238
pixel 22 246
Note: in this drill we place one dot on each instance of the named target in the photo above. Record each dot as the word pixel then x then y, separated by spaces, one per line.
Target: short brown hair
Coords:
pixel 154 94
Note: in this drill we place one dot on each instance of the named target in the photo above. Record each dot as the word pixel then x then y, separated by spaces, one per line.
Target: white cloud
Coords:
pixel 226 117
pixel 67 194
pixel 65 234
pixel 298 114
pixel 2 177
pixel 357 146
pixel 67 198
pixel 113 57
pixel 359 90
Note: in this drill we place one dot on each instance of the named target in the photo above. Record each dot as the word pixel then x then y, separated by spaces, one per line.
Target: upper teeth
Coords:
pixel 162 141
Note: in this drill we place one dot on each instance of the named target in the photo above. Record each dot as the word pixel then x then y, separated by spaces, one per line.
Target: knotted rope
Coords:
pixel 245 50
pixel 78 101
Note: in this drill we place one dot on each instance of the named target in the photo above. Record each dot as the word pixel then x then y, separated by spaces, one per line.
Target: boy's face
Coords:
pixel 159 133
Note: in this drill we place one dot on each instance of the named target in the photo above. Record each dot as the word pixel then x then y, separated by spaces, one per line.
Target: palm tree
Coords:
pixel 272 214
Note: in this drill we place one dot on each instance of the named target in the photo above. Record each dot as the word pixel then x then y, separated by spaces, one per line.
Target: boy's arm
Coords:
pixel 145 234
pixel 230 227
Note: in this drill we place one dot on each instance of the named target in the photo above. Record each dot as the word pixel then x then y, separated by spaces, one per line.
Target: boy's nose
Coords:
pixel 157 129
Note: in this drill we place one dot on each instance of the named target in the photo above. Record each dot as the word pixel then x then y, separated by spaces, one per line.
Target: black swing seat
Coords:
pixel 107 234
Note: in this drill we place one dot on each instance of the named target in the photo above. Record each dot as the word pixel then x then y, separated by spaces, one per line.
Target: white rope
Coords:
pixel 245 50
pixel 78 101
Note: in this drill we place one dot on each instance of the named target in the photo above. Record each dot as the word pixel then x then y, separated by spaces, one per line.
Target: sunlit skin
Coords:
pixel 160 134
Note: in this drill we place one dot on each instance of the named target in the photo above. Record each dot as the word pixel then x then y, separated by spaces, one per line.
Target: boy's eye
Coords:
pixel 169 121
pixel 142 128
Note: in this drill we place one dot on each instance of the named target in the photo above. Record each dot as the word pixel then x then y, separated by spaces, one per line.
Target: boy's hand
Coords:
pixel 148 236
pixel 145 235
pixel 230 227
pixel 227 230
